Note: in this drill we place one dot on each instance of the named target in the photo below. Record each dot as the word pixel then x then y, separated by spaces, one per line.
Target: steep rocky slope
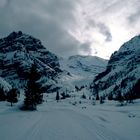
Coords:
pixel 123 70
pixel 18 52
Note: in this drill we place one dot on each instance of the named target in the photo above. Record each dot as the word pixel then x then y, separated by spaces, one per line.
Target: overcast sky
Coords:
pixel 69 27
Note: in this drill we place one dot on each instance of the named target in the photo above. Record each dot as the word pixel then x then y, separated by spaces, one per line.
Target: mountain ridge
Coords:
pixel 18 51
pixel 123 70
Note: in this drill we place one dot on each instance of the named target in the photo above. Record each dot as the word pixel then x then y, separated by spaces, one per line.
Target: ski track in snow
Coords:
pixel 62 121
pixel 69 125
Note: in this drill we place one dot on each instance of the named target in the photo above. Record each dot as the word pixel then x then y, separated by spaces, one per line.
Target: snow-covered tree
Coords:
pixel 33 94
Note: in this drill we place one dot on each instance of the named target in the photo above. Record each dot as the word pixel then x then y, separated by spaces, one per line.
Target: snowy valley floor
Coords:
pixel 66 121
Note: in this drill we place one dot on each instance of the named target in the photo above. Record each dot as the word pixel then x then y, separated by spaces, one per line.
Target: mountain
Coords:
pixel 18 52
pixel 83 68
pixel 123 71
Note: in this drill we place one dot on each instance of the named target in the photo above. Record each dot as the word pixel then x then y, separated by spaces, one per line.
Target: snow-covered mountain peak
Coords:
pixel 129 51
pixel 132 45
pixel 21 41
pixel 83 68
pixel 18 51
pixel 87 60
pixel 123 70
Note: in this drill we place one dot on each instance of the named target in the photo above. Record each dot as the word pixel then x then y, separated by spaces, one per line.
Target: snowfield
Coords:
pixel 71 119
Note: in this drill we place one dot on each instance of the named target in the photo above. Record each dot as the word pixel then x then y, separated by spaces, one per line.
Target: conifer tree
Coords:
pixel 120 98
pixel 97 96
pixel 33 95
pixel 110 96
pixel 101 100
pixel 12 96
pixel 2 94
pixel 57 96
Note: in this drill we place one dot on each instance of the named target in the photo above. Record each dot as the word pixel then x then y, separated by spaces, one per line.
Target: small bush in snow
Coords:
pixel 80 102
pixel 64 96
pixel 83 96
pixel 74 103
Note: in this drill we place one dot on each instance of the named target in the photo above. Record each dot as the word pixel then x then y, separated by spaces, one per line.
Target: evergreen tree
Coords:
pixel 101 100
pixel 130 96
pixel 97 97
pixel 110 96
pixel 136 89
pixel 12 96
pixel 120 98
pixel 95 88
pixel 33 95
pixel 2 94
pixel 76 88
pixel 57 96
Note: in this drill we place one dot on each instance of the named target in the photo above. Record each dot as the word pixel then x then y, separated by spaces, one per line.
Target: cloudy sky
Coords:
pixel 69 27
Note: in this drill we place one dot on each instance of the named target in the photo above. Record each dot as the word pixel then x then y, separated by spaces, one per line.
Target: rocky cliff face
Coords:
pixel 18 52
pixel 123 70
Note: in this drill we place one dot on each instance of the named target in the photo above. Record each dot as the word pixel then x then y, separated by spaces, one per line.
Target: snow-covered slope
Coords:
pixel 18 52
pixel 64 121
pixel 83 68
pixel 5 85
pixel 123 70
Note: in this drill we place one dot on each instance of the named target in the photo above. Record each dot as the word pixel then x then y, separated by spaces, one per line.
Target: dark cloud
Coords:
pixel 47 20
pixel 105 31
pixel 61 27
pixel 134 17
pixel 85 48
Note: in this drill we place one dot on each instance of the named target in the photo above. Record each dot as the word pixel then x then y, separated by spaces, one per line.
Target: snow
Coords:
pixel 21 54
pixel 5 85
pixel 64 120
pixel 124 65
pixel 73 118
pixel 132 45
pixel 82 69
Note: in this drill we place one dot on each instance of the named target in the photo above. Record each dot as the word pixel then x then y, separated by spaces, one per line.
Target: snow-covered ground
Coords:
pixel 71 119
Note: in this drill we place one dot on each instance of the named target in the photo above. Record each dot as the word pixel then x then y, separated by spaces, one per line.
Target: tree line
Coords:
pixel 33 92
